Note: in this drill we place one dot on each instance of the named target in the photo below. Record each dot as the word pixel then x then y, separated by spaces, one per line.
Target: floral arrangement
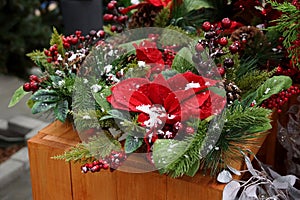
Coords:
pixel 191 94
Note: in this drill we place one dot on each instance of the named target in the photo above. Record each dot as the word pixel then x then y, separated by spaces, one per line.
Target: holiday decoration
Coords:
pixel 187 85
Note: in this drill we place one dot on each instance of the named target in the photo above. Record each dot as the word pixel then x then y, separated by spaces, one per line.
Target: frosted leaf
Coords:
pixel 230 190
pixel 233 170
pixel 250 166
pixel 224 176
pixel 295 193
pixel 284 182
pixel 251 191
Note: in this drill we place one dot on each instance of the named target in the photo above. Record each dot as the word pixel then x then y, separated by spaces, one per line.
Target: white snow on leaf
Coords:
pixel 191 85
pixel 230 190
pixel 96 88
pixel 224 176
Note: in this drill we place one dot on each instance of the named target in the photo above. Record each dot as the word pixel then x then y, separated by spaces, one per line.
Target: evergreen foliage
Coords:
pixel 23 30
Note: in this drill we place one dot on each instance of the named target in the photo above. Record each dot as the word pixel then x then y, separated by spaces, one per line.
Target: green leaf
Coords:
pixel 169 73
pixel 219 91
pixel 39 107
pixel 17 96
pixel 45 96
pixel 132 143
pixel 191 5
pixel 100 98
pixel 272 86
pixel 183 61
pixel 30 103
pixel 61 110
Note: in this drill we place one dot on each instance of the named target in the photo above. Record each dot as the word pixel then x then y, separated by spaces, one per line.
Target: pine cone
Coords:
pixel 248 33
pixel 144 16
pixel 233 92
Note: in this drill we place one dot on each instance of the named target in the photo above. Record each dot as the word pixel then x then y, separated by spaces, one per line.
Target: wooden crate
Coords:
pixel 56 179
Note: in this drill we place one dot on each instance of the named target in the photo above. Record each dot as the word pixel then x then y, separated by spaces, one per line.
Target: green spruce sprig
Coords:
pixel 241 128
pixel 288 24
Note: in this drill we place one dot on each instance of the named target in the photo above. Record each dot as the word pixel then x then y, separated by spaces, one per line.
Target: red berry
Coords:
pixel 105 166
pixel 121 19
pixel 113 2
pixel 89 165
pixel 110 6
pixel 223 41
pixel 108 17
pixel 34 86
pixel 34 78
pixel 221 71
pixel 226 23
pixel 26 87
pixel 101 33
pixel 74 40
pixel 113 28
pixel 228 62
pixel 199 47
pixel 49 60
pixel 206 26
pixel 190 130
pixel 233 48
pixel 96 168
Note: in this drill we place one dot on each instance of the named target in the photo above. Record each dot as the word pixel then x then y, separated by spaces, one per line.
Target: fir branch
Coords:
pixel 39 58
pixel 249 82
pixel 175 157
pixel 102 144
pixel 79 153
pixel 288 24
pixel 174 35
pixel 241 128
pixel 56 38
pixel 162 18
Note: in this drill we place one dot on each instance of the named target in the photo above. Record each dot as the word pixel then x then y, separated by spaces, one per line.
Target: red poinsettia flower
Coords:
pixel 163 3
pixel 147 51
pixel 169 101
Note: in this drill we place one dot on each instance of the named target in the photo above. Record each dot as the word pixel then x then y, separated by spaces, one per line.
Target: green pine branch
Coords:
pixel 249 82
pixel 162 18
pixel 242 126
pixel 288 24
pixel 79 153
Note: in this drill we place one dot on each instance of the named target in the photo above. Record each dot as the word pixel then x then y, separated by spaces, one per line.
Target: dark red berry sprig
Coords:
pixel 33 84
pixel 112 162
pixel 168 55
pixel 95 166
pixel 52 53
pixel 278 100
pixel 115 159
pixel 115 17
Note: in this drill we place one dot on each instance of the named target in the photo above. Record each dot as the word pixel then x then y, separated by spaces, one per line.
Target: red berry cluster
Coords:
pixel 51 53
pixel 278 100
pixel 33 84
pixel 168 56
pixel 79 41
pixel 95 166
pixel 113 161
pixel 115 16
pixel 215 43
